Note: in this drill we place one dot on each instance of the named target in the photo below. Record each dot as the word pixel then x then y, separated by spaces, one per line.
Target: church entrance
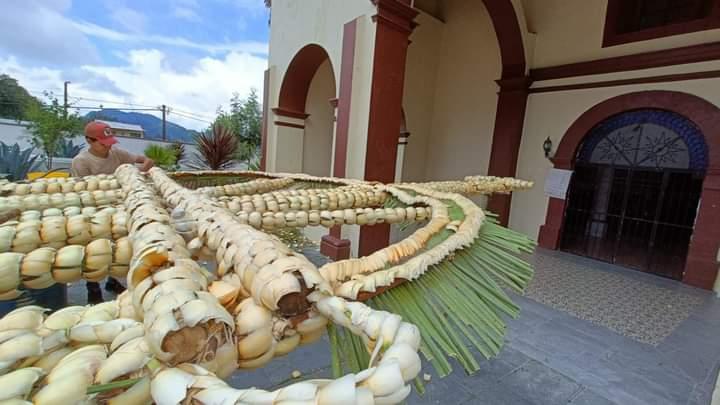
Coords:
pixel 635 192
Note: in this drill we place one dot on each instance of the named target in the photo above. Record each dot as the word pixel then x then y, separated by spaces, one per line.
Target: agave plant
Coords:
pixel 216 149
pixel 165 157
pixel 15 163
pixel 67 149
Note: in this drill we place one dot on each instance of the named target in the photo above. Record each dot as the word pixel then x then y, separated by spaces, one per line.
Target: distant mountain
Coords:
pixel 150 123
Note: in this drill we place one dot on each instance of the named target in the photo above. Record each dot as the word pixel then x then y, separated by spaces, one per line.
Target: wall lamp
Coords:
pixel 547 147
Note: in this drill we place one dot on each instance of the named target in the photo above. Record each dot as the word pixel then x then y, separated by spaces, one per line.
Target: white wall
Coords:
pixel 295 24
pixel 419 93
pixel 465 94
pixel 319 126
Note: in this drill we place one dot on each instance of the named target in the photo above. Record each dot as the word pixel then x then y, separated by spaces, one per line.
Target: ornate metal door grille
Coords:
pixel 635 192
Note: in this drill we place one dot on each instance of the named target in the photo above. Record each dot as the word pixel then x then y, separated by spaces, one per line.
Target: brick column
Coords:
pixel 509 120
pixel 701 267
pixel 332 245
pixel 394 24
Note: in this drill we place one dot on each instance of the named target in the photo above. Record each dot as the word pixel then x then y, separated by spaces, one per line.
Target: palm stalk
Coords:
pixel 460 302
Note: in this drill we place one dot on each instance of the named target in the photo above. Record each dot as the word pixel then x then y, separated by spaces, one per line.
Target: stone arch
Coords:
pixel 298 77
pixel 701 266
pixel 507 29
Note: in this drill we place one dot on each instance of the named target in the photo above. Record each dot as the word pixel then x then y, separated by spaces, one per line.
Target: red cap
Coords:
pixel 100 131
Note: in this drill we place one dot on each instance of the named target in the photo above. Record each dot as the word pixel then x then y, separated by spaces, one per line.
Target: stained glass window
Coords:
pixel 646 138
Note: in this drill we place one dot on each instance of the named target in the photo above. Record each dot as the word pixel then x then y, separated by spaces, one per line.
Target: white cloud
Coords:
pixel 132 20
pixel 185 13
pixel 147 79
pixel 94 30
pixel 36 30
pixel 34 79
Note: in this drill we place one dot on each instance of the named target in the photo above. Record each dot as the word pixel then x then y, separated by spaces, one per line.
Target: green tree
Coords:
pixel 14 99
pixel 244 119
pixel 49 125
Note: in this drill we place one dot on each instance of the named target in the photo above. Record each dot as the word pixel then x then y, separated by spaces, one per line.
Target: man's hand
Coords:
pixel 147 164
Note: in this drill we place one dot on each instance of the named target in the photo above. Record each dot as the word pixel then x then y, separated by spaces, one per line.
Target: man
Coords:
pixel 102 158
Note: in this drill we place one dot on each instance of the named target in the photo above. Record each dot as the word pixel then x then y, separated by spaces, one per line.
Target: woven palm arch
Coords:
pixel 179 329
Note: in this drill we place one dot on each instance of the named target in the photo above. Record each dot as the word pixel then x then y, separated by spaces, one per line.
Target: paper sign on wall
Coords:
pixel 557 182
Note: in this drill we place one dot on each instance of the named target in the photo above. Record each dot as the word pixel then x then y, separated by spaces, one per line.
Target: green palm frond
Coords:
pixel 458 303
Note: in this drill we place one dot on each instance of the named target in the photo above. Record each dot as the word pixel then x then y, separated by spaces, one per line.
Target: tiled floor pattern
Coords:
pixel 644 307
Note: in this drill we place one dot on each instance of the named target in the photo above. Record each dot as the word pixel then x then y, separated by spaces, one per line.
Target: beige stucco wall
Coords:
pixel 465 93
pixel 570 31
pixel 319 126
pixel 551 114
pixel 295 24
pixel 419 93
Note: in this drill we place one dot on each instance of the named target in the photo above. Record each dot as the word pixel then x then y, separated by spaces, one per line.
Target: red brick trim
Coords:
pixel 334 247
pixel 289 124
pixel 627 82
pixel 612 37
pixel 647 60
pixel 512 98
pixel 396 14
pixel 290 113
pixel 344 101
pixel 509 120
pixel 507 29
pixel 394 23
pixel 701 266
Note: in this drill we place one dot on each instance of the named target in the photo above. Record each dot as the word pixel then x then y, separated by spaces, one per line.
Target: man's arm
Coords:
pixel 146 162
pixel 78 169
pixel 127 157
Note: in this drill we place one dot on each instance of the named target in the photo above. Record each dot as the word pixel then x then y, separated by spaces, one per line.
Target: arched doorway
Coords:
pixel 305 114
pixel 635 191
pixel 701 265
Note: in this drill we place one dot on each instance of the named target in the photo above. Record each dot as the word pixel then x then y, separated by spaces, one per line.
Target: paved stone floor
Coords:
pixel 552 356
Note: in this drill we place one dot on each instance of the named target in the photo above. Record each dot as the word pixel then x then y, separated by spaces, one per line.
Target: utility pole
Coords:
pixel 65 104
pixel 164 120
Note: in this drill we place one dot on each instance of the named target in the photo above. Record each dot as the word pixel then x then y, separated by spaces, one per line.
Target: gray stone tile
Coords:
pixel 448 390
pixel 249 379
pixel 306 359
pixel 700 396
pixel 626 386
pixel 540 384
pixel 530 350
pixel 559 339
pixel 696 366
pixel 709 311
pixel 510 356
pixel 694 333
pixel 650 363
pixel 589 397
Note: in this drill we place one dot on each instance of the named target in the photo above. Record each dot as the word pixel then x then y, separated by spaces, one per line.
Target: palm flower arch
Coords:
pixel 180 329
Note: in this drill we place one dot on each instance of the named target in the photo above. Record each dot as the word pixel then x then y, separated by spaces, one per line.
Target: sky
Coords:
pixel 190 55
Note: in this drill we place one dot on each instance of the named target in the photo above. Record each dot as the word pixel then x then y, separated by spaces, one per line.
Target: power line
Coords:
pixel 82 107
pixel 172 109
pixel 190 117
pixel 115 102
